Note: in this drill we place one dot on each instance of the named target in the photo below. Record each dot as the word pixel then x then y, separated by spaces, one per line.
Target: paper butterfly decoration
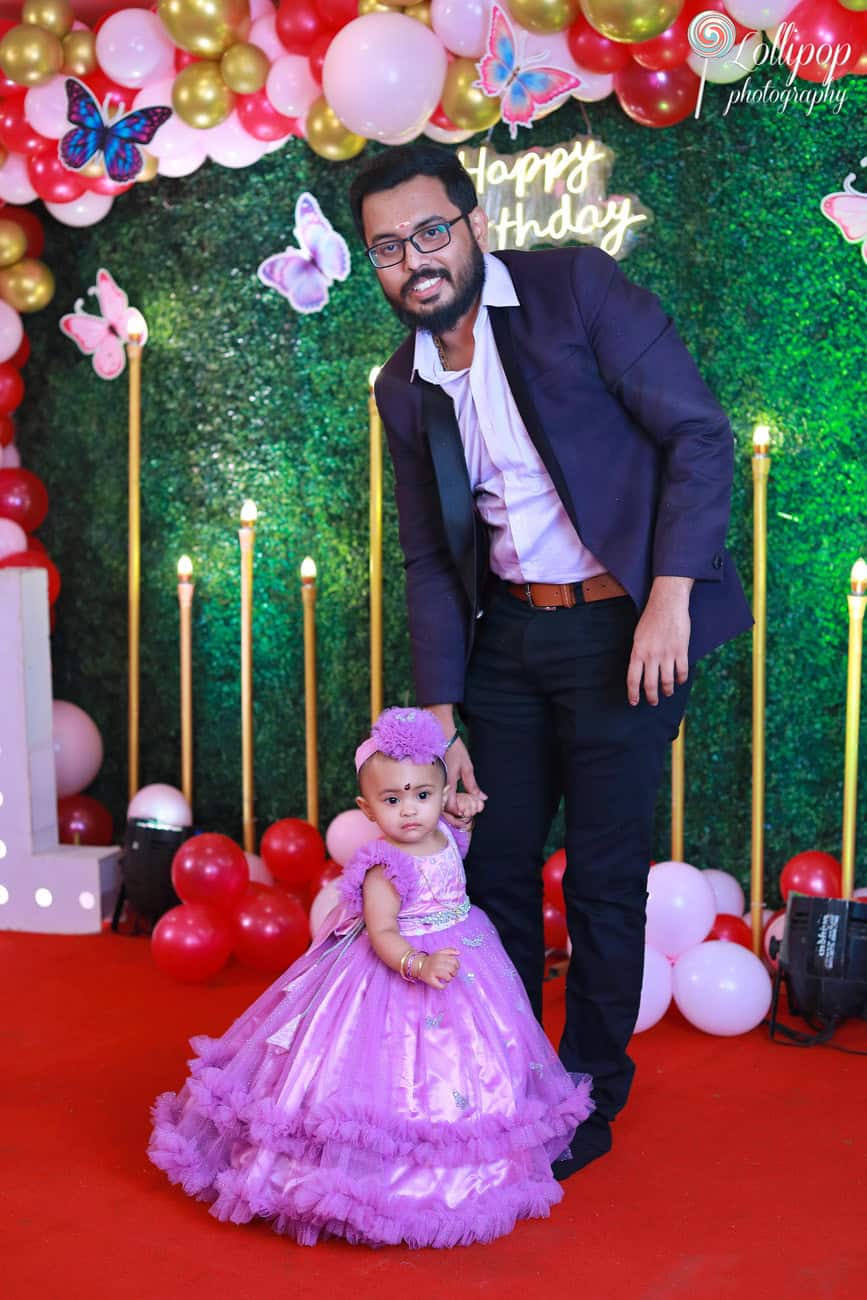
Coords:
pixel 101 337
pixel 523 89
pixel 304 274
pixel 848 210
pixel 92 133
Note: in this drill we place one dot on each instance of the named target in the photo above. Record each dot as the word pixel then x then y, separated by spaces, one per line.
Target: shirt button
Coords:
pixel 717 561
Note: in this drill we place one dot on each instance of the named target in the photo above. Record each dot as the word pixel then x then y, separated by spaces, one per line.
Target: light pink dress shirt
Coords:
pixel 532 537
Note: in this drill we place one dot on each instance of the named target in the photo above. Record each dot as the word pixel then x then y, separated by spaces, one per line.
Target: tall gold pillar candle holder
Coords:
pixel 678 766
pixel 308 601
pixel 375 550
pixel 137 337
pixel 857 597
pixel 761 469
pixel 186 587
pixel 246 538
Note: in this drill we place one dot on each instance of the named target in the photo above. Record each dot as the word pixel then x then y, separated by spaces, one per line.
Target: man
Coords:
pixel 563 483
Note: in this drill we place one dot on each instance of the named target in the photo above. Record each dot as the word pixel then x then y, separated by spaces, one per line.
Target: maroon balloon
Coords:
pixel 16 133
pixel 11 388
pixel 260 119
pixel 812 872
pixel 316 57
pixel 824 28
pixel 81 819
pixel 22 497
pixel 556 934
pixel 271 929
pixel 732 929
pixel 33 559
pixel 292 851
pixel 298 24
pixel 552 880
pixel 32 227
pixel 53 182
pixel 211 869
pixel 328 871
pixel 336 13
pixel 191 942
pixel 669 49
pixel 595 52
pixel 656 98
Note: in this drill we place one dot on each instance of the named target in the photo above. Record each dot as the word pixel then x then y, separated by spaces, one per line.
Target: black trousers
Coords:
pixel 547 715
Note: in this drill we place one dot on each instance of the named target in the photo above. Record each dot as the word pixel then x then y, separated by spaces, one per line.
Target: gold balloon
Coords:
pixel 13 242
pixel 30 55
pixel 373 7
pixel 467 106
pixel 93 170
pixel 244 68
pixel 205 27
pixel 545 15
pixel 421 12
pixel 856 6
pixel 54 15
pixel 327 135
pixel 149 170
pixel 200 97
pixel 27 286
pixel 630 20
pixel 79 53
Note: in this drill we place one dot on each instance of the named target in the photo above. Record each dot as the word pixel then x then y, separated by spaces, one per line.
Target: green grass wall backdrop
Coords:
pixel 242 397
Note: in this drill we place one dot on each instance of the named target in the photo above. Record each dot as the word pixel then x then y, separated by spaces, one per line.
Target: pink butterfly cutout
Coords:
pixel 523 89
pixel 304 274
pixel 102 336
pixel 848 211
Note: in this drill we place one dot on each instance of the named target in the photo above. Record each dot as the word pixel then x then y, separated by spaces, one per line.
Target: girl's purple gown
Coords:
pixel 346 1101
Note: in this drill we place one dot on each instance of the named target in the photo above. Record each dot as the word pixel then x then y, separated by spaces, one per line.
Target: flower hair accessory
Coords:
pixel 412 734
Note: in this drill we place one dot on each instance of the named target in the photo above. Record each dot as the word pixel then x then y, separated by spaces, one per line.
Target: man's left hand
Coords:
pixel 660 646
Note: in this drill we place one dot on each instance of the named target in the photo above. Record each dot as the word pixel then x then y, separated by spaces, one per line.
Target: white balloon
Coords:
pixel 133 47
pixel 721 988
pixel 77 747
pixel 11 457
pixel 681 907
pixel 759 13
pixel 231 146
pixel 258 871
pixel 327 899
pixel 15 184
pixel 174 139
pixel 767 913
pixel 260 8
pixel 727 891
pixel 45 108
pixel 594 85
pixel 462 25
pixel 13 539
pixel 655 989
pixel 264 34
pixel 734 66
pixel 11 331
pixel 83 211
pixel 291 87
pixel 184 165
pixel 160 803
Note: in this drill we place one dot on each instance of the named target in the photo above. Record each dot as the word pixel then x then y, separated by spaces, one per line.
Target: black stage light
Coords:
pixel 146 869
pixel 823 963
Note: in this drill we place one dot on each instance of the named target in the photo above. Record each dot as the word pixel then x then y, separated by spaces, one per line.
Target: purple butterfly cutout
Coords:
pixel 116 141
pixel 304 274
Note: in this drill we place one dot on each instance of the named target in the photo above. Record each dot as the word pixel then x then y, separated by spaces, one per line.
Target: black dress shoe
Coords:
pixel 592 1139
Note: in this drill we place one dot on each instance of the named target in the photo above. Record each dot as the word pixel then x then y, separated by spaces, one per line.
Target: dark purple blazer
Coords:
pixel 638 449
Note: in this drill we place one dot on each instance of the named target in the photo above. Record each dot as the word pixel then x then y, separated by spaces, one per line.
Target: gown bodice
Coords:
pixel 440 895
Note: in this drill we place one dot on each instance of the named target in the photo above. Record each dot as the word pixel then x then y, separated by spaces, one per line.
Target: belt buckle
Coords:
pixel 529 594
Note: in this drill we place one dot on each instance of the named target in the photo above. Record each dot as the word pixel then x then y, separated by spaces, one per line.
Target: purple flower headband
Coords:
pixel 412 734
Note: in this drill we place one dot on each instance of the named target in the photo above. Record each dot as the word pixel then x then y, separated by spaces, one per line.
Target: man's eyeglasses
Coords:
pixel 427 240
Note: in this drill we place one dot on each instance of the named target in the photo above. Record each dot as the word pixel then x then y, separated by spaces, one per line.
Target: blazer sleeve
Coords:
pixel 436 604
pixel 646 365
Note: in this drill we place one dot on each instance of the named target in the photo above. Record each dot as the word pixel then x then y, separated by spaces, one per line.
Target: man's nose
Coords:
pixel 412 258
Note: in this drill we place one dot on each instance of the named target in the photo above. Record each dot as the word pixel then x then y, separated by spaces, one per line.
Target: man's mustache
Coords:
pixel 420 276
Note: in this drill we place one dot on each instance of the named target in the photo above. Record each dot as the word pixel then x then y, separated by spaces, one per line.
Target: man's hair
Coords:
pixel 404 162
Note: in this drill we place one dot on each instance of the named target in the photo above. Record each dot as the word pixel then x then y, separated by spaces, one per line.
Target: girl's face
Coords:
pixel 404 799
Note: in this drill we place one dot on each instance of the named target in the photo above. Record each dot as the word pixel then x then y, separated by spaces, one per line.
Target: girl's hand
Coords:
pixel 440 968
pixel 467 806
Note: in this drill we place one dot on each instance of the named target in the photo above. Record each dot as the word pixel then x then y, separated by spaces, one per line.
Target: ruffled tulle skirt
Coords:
pixel 379 1111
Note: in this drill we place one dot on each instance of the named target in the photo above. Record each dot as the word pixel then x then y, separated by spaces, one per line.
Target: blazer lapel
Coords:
pixel 453 482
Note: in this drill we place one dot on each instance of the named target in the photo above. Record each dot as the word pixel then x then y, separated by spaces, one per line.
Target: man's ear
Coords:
pixel 365 807
pixel 478 220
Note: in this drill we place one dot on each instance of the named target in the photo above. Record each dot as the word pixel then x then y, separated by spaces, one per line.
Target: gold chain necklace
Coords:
pixel 441 352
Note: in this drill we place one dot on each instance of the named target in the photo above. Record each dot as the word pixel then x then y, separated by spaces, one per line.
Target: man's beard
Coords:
pixel 439 320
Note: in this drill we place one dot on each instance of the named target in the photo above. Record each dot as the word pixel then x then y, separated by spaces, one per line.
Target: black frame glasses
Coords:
pixel 440 240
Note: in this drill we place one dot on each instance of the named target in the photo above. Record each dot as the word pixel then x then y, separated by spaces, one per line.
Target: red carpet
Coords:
pixel 739 1168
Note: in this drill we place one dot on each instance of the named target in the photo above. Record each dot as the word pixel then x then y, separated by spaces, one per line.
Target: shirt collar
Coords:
pixel 497 291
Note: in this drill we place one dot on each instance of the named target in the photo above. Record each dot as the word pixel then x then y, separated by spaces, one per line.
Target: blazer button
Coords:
pixel 717 561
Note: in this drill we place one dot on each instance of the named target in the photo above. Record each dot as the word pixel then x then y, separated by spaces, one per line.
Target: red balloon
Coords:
pixel 336 13
pixel 669 49
pixel 440 118
pixel 552 880
pixel 656 98
pixel 813 873
pixel 82 819
pixel 105 185
pixel 817 49
pixel 733 929
pixel 183 59
pixel 22 497
pixel 316 57
pixel 53 182
pixel 35 543
pixel 595 52
pixel 191 942
pixel 32 227
pixel 211 869
pixel 271 929
pixel 260 119
pixel 7 430
pixel 35 560
pixel 556 934
pixel 16 133
pixel 292 850
pixel 328 871
pixel 298 24
pixel 11 388
pixel 22 356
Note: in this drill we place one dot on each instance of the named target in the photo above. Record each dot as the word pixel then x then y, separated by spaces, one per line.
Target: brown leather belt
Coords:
pixel 563 595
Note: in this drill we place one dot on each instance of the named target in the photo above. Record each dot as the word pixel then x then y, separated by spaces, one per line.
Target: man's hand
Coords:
pixel 460 768
pixel 660 646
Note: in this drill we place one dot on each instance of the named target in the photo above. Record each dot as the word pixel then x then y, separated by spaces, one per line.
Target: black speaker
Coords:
pixel 146 868
pixel 823 958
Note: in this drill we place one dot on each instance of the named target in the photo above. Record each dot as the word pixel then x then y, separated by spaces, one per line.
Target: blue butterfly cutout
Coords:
pixel 116 141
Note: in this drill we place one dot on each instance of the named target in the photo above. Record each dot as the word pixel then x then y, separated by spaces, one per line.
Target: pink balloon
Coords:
pixel 77 747
pixel 15 184
pixel 462 25
pixel 324 902
pixel 681 908
pixel 174 139
pixel 291 87
pixel 230 145
pixel 183 164
pixel 258 871
pixel 10 457
pixel 13 538
pixel 160 803
pixel 383 75
pixel 133 47
pixel 594 85
pixel 727 891
pixel 767 913
pixel 349 831
pixel 264 34
pixel 86 211
pixel 655 989
pixel 11 331
pixel 759 14
pixel 45 108
pixel 721 988
pixel 259 8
